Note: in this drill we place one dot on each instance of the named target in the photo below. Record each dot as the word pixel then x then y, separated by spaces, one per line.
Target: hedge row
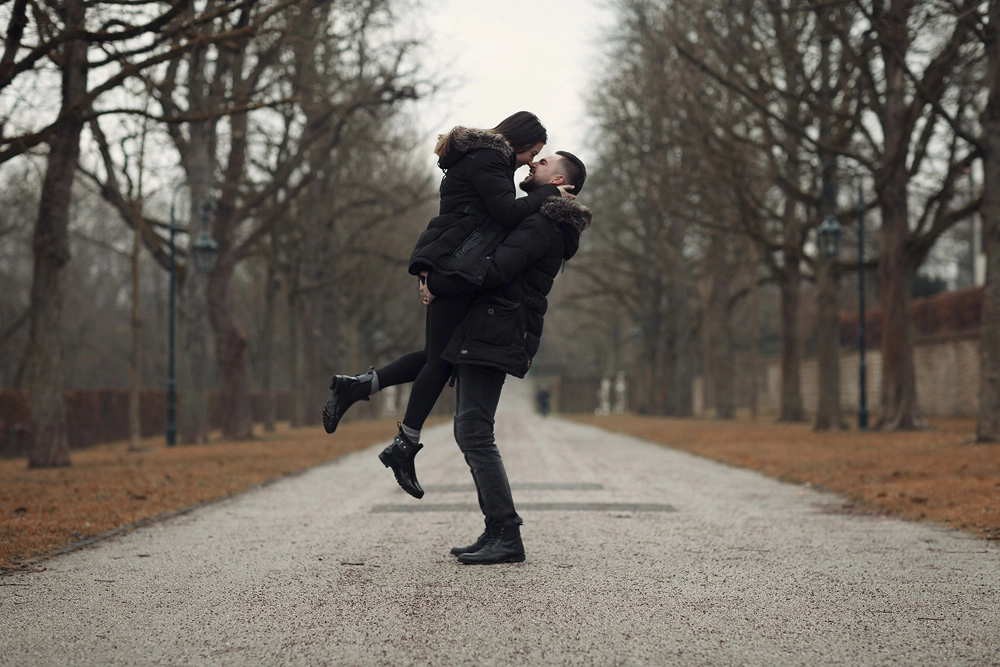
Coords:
pixel 101 415
pixel 955 312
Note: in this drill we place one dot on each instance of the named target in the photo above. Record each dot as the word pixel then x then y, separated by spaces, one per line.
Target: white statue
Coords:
pixel 604 398
pixel 621 393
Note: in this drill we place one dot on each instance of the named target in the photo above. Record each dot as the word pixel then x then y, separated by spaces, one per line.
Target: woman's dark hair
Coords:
pixel 522 131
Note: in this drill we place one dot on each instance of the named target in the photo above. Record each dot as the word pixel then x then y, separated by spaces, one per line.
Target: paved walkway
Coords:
pixel 637 555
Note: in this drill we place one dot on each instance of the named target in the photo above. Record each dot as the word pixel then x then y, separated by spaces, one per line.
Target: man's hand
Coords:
pixel 425 294
pixel 565 190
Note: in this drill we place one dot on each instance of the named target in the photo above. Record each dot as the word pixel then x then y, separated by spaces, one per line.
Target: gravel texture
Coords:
pixel 637 555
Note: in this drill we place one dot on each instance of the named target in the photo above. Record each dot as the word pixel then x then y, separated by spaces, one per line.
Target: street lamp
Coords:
pixel 204 251
pixel 829 242
pixel 862 396
pixel 829 237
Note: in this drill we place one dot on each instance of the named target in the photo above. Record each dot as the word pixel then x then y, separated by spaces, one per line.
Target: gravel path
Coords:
pixel 637 555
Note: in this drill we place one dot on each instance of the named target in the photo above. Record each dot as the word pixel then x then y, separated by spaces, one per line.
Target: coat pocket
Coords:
pixel 473 240
pixel 496 322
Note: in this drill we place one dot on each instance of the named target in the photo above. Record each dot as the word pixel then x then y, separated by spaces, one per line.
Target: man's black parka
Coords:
pixel 504 327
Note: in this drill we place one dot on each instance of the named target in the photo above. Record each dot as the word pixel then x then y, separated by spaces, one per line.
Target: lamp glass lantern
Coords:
pixel 205 252
pixel 829 237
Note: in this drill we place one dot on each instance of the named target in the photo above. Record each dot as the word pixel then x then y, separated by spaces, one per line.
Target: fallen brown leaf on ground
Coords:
pixel 938 475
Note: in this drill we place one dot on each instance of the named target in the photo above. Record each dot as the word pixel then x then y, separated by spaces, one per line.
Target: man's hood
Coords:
pixel 571 218
pixel 464 140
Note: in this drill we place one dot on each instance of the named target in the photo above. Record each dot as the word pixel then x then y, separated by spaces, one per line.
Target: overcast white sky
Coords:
pixel 503 56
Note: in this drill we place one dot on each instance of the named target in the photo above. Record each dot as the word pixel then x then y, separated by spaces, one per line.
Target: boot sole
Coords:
pixel 508 559
pixel 330 418
pixel 329 423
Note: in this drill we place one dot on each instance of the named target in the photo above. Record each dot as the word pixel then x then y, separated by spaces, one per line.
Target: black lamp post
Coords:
pixel 204 251
pixel 862 396
pixel 829 242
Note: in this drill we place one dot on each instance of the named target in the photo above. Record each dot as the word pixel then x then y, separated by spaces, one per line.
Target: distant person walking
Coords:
pixel 543 400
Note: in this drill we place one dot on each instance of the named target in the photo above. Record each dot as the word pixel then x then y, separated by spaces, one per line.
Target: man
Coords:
pixel 501 335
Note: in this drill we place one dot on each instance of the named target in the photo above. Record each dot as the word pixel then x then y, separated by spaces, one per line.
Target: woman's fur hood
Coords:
pixel 571 217
pixel 462 140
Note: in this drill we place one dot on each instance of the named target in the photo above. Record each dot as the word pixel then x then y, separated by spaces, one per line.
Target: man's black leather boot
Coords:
pixel 472 548
pixel 345 391
pixel 503 545
pixel 399 456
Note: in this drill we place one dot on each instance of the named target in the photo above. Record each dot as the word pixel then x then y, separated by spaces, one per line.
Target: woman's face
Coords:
pixel 528 156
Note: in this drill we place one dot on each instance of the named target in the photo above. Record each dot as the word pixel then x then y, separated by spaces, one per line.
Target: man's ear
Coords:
pixel 557 180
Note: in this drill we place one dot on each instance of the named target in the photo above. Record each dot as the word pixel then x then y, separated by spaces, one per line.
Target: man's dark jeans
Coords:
pixel 478 393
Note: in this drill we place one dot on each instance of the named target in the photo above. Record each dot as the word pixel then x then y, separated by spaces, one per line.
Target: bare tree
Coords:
pixel 755 53
pixel 60 33
pixel 901 62
pixel 642 254
pixel 254 124
pixel 19 202
pixel 988 424
pixel 51 252
pixel 918 109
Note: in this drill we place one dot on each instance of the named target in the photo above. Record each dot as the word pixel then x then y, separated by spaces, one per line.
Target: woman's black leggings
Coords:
pixel 428 372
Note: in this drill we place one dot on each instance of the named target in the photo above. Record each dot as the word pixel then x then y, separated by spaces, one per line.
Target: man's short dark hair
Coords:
pixel 576 172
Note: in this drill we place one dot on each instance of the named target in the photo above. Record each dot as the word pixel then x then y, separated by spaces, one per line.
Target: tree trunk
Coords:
pixel 193 359
pixel 50 447
pixel 295 355
pixel 897 262
pixel 134 375
pixel 899 386
pixel 236 418
pixel 717 326
pixel 791 380
pixel 315 378
pixel 267 340
pixel 725 399
pixel 755 341
pixel 680 369
pixel 828 412
pixel 988 425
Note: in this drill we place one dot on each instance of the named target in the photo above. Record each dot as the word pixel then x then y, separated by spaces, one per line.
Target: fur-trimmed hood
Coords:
pixel 463 140
pixel 571 217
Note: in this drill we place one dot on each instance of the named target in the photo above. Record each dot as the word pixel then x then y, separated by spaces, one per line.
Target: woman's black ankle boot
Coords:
pixel 399 456
pixel 345 391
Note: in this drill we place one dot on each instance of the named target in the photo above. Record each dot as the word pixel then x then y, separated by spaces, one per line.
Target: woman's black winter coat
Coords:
pixel 504 326
pixel 477 190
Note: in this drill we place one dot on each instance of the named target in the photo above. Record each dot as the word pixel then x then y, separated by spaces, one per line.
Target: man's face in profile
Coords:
pixel 541 173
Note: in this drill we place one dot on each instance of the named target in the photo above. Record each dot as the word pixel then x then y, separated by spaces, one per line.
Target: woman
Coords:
pixel 478 205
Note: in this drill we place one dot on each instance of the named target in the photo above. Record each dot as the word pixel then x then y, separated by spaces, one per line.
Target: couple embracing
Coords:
pixel 485 265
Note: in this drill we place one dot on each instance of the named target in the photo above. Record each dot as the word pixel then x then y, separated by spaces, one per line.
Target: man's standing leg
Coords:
pixel 479 390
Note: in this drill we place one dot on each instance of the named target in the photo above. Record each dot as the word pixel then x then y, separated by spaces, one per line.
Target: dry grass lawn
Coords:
pixel 934 475
pixel 937 475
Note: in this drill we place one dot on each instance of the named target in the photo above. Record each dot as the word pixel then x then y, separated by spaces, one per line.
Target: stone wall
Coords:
pixel 947 379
